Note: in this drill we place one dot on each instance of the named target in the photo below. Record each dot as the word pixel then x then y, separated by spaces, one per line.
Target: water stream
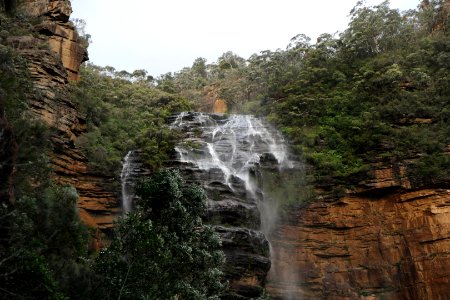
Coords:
pixel 237 145
pixel 233 145
pixel 127 189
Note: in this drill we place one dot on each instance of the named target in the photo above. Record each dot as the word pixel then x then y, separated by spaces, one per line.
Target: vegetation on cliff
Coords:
pixel 42 240
pixel 124 112
pixel 377 92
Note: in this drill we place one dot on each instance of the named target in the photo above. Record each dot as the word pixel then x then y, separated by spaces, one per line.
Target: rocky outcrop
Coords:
pixel 220 107
pixel 383 240
pixel 236 219
pixel 248 261
pixel 224 154
pixel 54 52
pixel 61 36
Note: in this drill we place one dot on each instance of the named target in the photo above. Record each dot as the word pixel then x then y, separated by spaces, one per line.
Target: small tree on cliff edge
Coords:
pixel 163 250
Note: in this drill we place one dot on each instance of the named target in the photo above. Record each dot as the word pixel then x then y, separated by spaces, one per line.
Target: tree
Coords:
pixel 373 30
pixel 230 60
pixel 163 250
pixel 199 67
pixel 123 111
pixel 43 247
pixel 165 82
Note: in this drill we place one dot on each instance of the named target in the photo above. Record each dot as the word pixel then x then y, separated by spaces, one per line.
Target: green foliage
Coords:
pixel 163 250
pixel 42 245
pixel 377 92
pixel 80 26
pixel 124 114
pixel 373 30
pixel 14 82
pixel 432 169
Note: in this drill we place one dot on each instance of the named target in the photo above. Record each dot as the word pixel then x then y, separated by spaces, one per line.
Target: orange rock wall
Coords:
pixel 384 242
pixel 54 57
pixel 62 36
pixel 220 107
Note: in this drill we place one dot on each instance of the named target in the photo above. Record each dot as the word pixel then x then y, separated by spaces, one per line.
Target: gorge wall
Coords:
pixel 54 52
pixel 383 240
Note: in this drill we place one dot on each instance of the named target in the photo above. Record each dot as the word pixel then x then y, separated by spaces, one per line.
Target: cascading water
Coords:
pixel 246 171
pixel 127 191
pixel 234 146
pixel 244 166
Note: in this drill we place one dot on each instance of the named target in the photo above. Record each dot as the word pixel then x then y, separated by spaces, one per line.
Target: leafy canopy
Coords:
pixel 163 250
pixel 124 111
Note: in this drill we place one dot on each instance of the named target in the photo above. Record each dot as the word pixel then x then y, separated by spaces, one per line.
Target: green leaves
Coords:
pixel 42 243
pixel 163 250
pixel 373 30
pixel 124 112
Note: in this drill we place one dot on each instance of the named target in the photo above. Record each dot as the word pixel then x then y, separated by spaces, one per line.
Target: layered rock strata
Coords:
pixel 386 240
pixel 54 52
pixel 60 34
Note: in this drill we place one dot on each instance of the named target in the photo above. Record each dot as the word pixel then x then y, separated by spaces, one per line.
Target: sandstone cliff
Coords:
pixel 55 52
pixel 385 240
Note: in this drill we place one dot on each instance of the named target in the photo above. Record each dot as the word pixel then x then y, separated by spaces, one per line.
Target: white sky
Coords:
pixel 166 35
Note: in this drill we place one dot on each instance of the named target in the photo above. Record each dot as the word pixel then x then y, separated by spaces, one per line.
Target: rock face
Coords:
pixel 224 155
pixel 54 53
pixel 386 240
pixel 220 107
pixel 61 35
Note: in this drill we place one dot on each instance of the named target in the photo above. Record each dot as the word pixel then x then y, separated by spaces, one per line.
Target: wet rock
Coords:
pixel 233 213
pixel 222 153
pixel 247 261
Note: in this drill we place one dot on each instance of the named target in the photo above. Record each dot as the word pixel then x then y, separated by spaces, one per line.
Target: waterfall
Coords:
pixel 127 191
pixel 237 145
pixel 234 145
pixel 247 173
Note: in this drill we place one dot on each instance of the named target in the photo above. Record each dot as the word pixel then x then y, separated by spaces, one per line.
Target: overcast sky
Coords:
pixel 166 35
